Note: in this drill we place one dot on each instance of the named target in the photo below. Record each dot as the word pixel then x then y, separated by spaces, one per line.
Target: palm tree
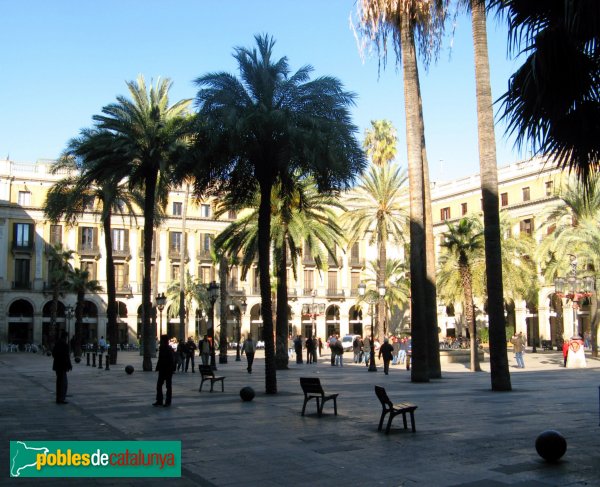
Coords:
pixel 500 375
pixel 152 136
pixel 408 22
pixel 380 142
pixel 552 102
pixel 397 288
pixel 59 270
pixel 193 291
pixel 80 284
pixel 572 228
pixel 462 241
pixel 260 129
pixel 377 213
pixel 304 216
pixel 68 199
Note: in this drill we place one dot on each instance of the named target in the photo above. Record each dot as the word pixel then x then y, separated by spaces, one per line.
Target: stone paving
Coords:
pixel 466 435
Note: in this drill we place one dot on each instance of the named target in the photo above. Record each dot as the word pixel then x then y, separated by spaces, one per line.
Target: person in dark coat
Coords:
pixel 298 348
pixel 309 349
pixel 165 367
pixel 61 365
pixel 190 353
pixel 386 351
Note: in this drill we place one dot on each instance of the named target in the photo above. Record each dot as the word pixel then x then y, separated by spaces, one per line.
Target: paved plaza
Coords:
pixel 466 435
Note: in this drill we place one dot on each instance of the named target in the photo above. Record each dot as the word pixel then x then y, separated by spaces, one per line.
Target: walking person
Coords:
pixel 298 348
pixel 249 349
pixel 386 350
pixel 181 355
pixel 165 367
pixel 518 341
pixel 190 353
pixel 61 365
pixel 367 350
pixel 320 342
pixel 356 348
pixel 204 348
pixel 396 347
pixel 309 349
pixel 332 349
pixel 339 353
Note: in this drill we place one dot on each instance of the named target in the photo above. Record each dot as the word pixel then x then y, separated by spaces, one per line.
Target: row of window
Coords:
pixel 445 213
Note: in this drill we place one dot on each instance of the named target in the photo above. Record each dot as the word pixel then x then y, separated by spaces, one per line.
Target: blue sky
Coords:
pixel 63 60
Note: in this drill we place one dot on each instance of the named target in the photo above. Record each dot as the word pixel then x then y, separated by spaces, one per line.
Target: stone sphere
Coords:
pixel 551 445
pixel 77 360
pixel 247 393
pixel 129 369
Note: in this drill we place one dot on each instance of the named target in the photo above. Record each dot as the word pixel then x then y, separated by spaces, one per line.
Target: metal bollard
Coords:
pixel 94 359
pixel 100 361
pixel 107 360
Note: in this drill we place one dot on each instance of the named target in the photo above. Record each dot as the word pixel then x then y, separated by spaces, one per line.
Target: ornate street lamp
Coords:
pixel 371 299
pixel 161 301
pixel 314 310
pixel 574 288
pixel 213 294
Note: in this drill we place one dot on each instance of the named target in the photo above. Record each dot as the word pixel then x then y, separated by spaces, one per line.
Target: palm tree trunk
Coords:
pixel 381 307
pixel 182 259
pixel 112 331
pixel 419 369
pixel 264 247
pixel 148 337
pixel 281 328
pixel 224 296
pixel 500 375
pixel 470 316
pixel 433 342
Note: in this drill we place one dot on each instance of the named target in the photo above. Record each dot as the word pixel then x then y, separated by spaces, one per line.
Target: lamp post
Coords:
pixel 574 288
pixel 314 310
pixel 213 293
pixel 161 300
pixel 371 299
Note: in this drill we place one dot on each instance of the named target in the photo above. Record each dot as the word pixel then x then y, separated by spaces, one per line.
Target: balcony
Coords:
pixel 22 247
pixel 234 289
pixel 22 285
pixel 141 253
pixel 356 262
pixel 175 254
pixel 308 260
pixel 335 293
pixel 203 255
pixel 49 247
pixel 337 262
pixel 124 290
pixel 89 250
pixel 308 291
pixel 123 253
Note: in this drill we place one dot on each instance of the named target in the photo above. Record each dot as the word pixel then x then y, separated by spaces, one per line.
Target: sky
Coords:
pixel 61 61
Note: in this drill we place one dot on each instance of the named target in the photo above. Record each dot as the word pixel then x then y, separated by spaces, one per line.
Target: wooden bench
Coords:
pixel 208 373
pixel 311 386
pixel 394 410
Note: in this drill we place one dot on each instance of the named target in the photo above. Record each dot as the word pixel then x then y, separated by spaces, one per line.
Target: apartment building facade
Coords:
pixel 320 302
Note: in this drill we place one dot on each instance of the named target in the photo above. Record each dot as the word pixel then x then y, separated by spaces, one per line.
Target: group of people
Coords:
pixel 313 345
pixel 171 356
pixel 397 350
pixel 573 351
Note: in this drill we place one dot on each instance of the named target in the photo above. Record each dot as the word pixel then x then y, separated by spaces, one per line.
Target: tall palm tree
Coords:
pixel 302 220
pixel 553 103
pixel 152 134
pixel 573 228
pixel 260 129
pixel 377 213
pixel 500 375
pixel 462 241
pixel 380 142
pixel 408 23
pixel 68 198
pixel 80 284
